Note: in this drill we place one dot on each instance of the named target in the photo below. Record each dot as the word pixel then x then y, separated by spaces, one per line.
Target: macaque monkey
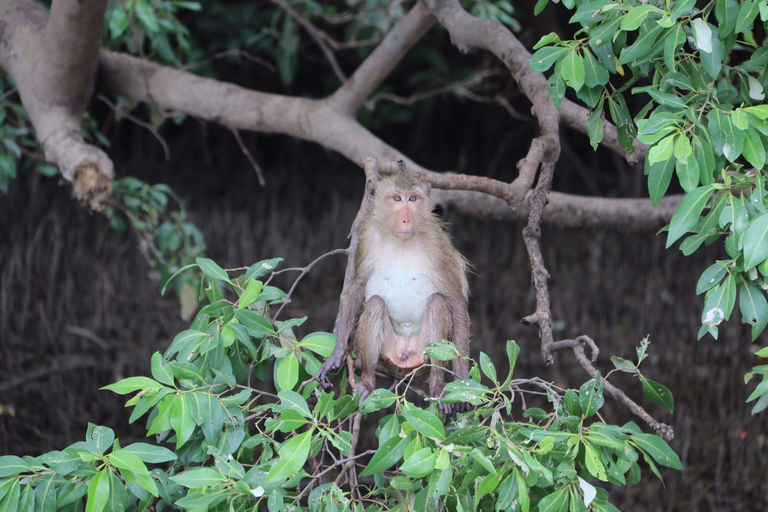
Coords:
pixel 410 288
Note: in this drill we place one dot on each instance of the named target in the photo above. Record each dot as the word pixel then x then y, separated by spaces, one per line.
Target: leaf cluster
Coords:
pixel 705 122
pixel 232 445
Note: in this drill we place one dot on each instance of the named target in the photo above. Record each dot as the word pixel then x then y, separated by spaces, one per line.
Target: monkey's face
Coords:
pixel 407 210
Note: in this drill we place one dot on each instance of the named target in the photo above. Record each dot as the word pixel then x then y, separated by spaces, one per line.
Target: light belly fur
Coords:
pixel 406 291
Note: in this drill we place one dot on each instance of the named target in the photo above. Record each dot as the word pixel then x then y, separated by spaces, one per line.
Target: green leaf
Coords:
pixel 211 269
pixel 624 365
pixel 287 372
pixel 663 149
pixel 386 456
pixel 487 367
pixel 379 399
pixel 657 448
pixel 483 460
pixel 465 391
pixel 636 16
pixel 11 465
pixel 659 178
pixel 756 241
pixel 719 302
pixel 658 394
pixel 161 372
pixel 27 500
pixel 131 384
pixel 292 400
pixel 748 11
pixel 181 420
pixel 727 13
pixel 147 17
pixel 591 397
pixel 293 454
pixel 688 213
pixel 572 70
pixel 637 52
pixel 594 465
pixel 711 277
pixel 262 268
pixel 595 74
pixel 760 390
pixel 321 343
pixel 545 57
pixel 513 350
pixel 250 294
pixel 754 307
pixel 10 503
pixel 151 453
pixel 420 464
pixel 558 501
pixel 595 128
pixel 196 478
pixel 98 492
pixel 424 422
pixel 754 151
pixel 257 325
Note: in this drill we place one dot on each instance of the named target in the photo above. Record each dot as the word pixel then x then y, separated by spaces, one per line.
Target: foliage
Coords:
pixel 149 26
pixel 231 445
pixel 167 240
pixel 703 75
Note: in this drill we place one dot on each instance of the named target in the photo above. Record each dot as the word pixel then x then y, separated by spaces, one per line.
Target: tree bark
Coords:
pixel 52 60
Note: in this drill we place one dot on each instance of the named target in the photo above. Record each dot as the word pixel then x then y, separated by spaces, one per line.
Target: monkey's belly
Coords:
pixel 405 294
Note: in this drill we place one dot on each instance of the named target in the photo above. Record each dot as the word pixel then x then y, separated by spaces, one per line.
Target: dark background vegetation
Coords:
pixel 79 310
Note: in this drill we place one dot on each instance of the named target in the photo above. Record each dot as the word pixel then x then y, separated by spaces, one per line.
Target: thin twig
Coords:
pixel 316 34
pixel 249 156
pixel 139 122
pixel 304 271
pixel 577 345
pixel 228 53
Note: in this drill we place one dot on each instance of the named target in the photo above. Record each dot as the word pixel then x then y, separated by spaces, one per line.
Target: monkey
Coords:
pixel 409 289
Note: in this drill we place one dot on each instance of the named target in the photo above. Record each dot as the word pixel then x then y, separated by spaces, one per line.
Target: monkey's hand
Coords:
pixel 330 365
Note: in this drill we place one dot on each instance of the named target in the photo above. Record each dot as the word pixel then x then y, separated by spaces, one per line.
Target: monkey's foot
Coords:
pixel 365 389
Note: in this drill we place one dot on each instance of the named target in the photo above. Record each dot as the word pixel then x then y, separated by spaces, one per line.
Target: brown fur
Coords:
pixel 408 273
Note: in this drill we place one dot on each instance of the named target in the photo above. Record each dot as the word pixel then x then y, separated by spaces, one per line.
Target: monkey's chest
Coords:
pixel 405 291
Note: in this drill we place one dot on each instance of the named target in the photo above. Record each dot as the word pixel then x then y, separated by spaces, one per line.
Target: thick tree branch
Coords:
pixel 382 60
pixel 567 211
pixel 52 59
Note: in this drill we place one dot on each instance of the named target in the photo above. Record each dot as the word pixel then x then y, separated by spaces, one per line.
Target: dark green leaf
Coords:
pixel 211 269
pixel 754 307
pixel 657 448
pixel 756 241
pixel 711 277
pixel 390 452
pixel 658 394
pixel 688 213
pixel 424 422
pixel 591 397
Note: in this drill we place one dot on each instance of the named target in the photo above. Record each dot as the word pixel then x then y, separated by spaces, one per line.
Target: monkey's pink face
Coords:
pixel 407 209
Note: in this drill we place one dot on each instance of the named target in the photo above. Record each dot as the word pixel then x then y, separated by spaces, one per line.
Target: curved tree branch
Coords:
pixel 52 59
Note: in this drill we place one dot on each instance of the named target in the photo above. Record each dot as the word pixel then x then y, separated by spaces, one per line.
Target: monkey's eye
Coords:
pixel 412 198
pixel 397 198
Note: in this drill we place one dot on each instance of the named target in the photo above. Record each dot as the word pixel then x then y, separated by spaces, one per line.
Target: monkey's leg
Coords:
pixel 437 325
pixel 373 329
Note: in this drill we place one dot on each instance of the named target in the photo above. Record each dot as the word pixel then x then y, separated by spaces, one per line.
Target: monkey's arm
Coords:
pixel 460 317
pixel 350 304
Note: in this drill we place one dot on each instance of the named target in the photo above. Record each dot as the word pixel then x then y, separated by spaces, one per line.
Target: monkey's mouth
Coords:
pixel 406 234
